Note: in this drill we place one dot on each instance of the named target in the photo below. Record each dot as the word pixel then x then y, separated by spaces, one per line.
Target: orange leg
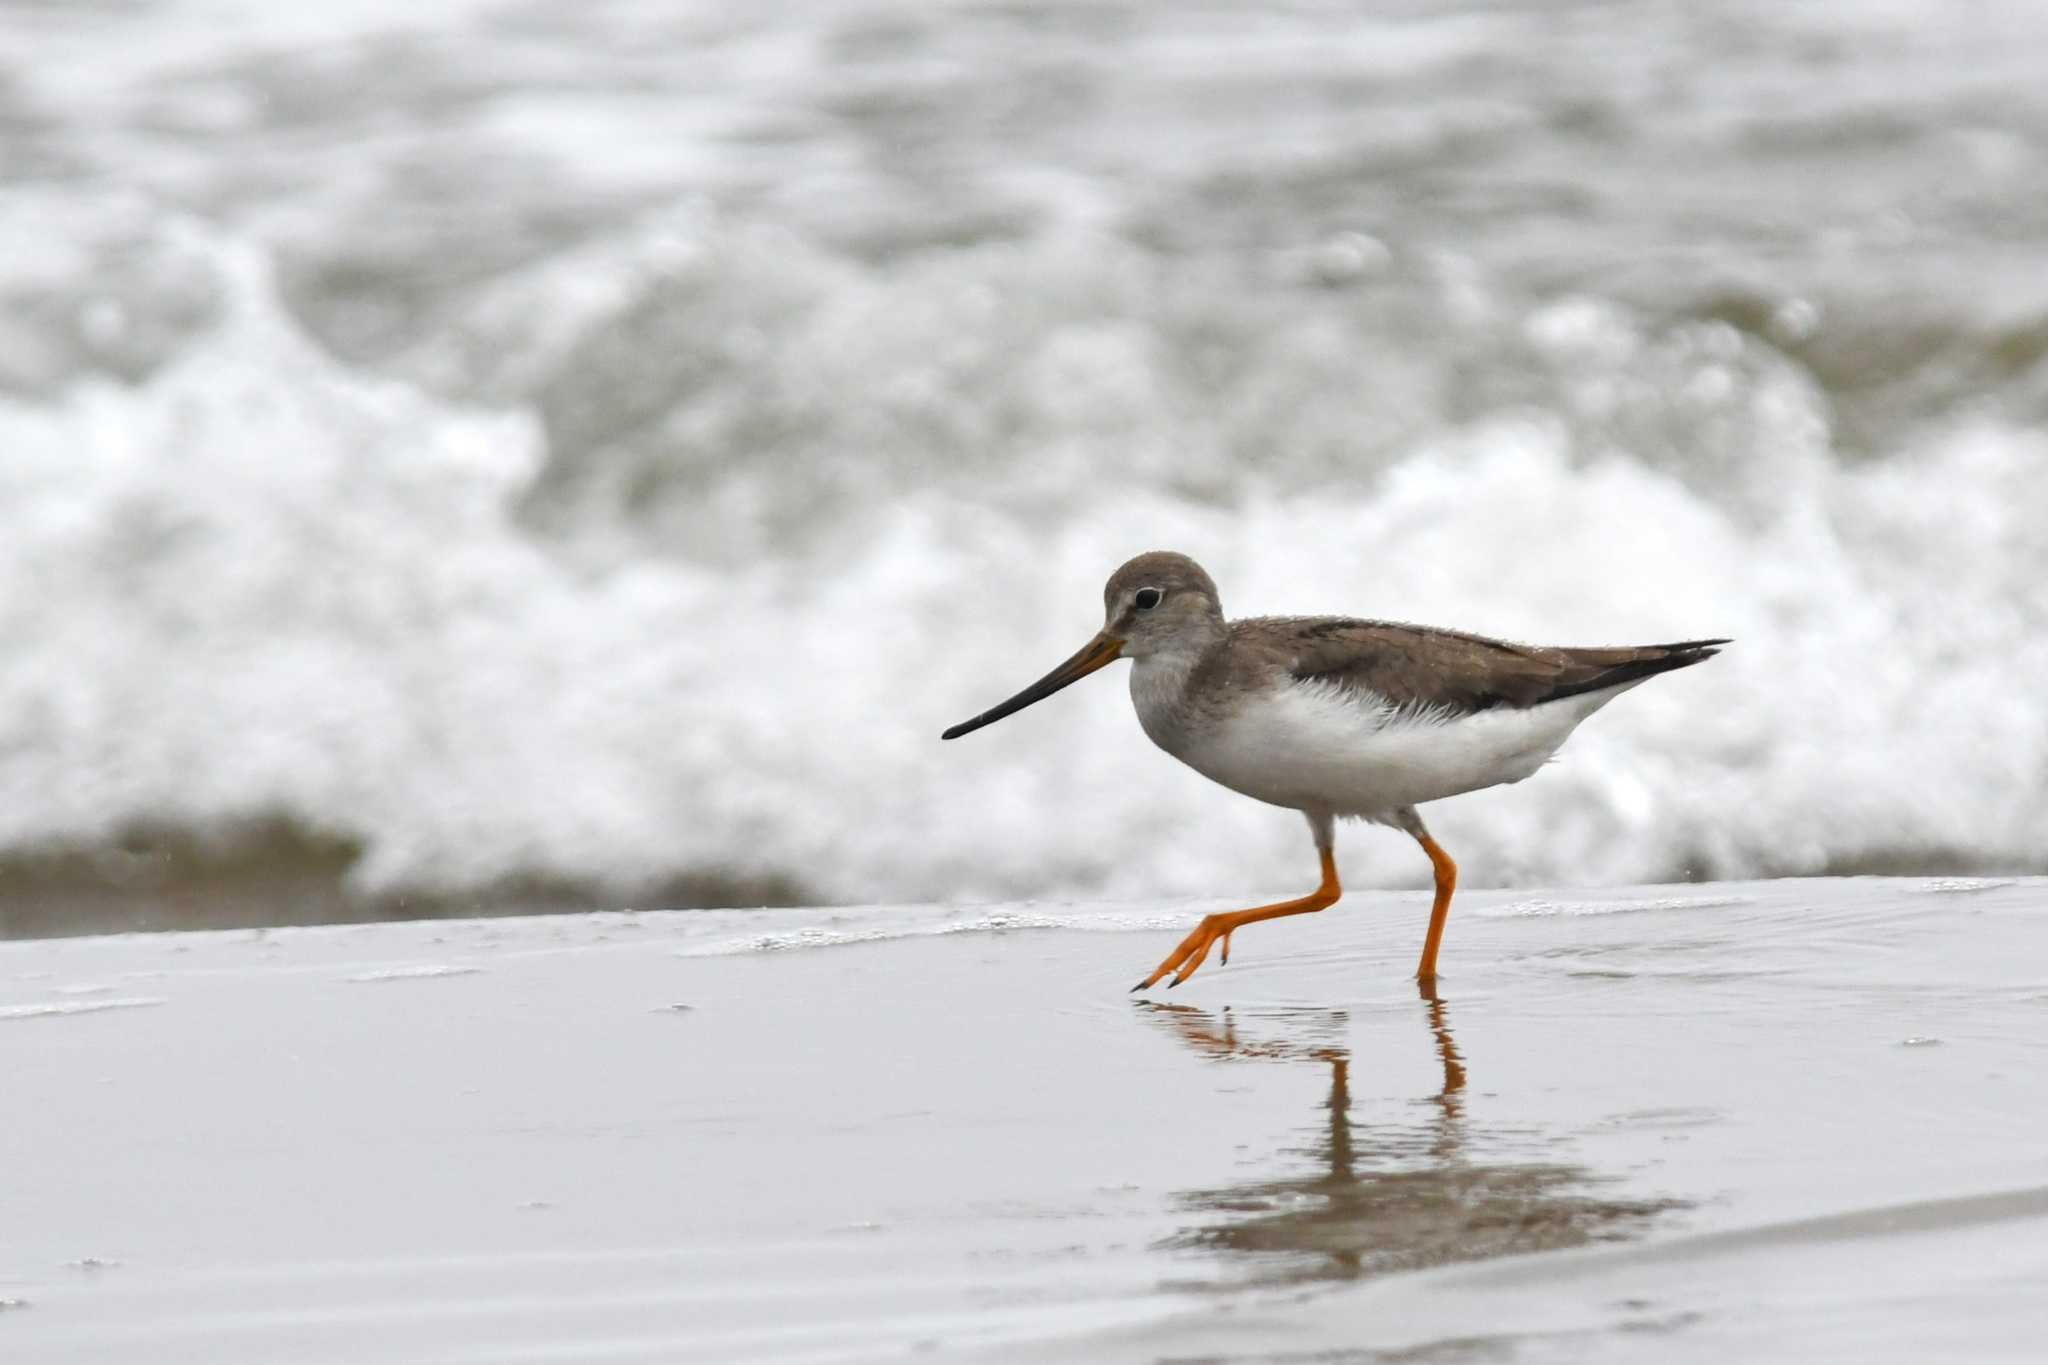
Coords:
pixel 1195 947
pixel 1446 883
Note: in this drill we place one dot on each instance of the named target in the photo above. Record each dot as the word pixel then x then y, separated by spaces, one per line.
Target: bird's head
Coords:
pixel 1158 603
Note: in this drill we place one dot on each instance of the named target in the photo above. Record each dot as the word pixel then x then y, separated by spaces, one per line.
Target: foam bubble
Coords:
pixel 416 972
pixel 59 1008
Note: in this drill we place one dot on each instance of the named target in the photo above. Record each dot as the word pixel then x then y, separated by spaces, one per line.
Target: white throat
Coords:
pixel 1158 690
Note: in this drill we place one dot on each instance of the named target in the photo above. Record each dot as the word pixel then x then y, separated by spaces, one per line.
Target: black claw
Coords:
pixel 1139 987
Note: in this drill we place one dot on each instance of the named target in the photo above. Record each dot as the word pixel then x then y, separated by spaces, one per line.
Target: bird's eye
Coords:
pixel 1146 599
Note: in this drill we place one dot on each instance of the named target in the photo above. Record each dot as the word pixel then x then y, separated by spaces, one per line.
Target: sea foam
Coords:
pixel 261 584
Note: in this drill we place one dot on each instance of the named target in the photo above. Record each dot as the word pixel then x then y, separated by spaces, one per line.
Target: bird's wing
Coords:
pixel 1456 673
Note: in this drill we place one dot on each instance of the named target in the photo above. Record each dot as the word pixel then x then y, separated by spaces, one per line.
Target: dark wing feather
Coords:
pixel 1458 673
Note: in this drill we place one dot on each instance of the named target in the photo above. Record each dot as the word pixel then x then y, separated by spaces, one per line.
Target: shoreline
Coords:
pixel 845 1134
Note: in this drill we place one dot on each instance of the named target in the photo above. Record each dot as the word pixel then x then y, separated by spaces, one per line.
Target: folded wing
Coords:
pixel 1459 674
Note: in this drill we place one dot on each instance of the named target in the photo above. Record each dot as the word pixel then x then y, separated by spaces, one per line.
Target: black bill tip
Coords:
pixel 1092 656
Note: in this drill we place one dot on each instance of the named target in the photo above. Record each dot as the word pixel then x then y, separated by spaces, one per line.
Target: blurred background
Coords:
pixel 480 456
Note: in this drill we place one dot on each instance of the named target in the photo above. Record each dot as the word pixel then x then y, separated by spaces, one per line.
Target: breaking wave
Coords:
pixel 648 559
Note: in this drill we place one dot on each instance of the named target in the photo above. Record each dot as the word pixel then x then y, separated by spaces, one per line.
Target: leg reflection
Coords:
pixel 1450 1101
pixel 1369 1189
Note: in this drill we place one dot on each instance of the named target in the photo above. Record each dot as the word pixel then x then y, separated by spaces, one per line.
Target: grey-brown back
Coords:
pixel 1444 670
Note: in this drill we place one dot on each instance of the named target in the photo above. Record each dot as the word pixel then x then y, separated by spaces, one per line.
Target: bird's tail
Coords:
pixel 1599 669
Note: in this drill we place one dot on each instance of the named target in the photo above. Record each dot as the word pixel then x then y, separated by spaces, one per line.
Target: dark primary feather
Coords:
pixel 1457 672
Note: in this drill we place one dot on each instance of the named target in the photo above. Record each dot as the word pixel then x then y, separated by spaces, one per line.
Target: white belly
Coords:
pixel 1313 747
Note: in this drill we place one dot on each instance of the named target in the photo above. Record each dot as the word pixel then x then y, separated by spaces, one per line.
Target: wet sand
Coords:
pixel 1748 1121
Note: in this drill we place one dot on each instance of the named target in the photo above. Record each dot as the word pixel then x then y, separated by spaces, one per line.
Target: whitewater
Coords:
pixel 592 454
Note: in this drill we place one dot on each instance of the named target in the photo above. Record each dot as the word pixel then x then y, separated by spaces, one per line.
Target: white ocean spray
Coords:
pixel 654 548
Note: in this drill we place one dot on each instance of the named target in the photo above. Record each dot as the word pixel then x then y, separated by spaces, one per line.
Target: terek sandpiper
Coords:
pixel 1333 716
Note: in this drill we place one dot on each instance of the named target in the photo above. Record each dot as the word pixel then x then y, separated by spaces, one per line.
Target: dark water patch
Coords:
pixel 277 873
pixel 1351 1224
pixel 1886 363
pixel 155 878
pixel 1891 859
pixel 1367 1199
pixel 1928 861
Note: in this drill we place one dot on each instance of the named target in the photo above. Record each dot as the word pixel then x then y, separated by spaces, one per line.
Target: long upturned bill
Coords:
pixel 1092 656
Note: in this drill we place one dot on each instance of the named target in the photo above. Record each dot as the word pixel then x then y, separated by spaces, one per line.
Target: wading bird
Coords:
pixel 1333 716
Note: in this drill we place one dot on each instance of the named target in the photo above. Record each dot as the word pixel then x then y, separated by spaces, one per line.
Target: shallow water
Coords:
pixel 467 455
pixel 1779 1120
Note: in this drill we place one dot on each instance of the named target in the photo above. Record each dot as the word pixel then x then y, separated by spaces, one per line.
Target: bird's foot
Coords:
pixel 1192 952
pixel 1214 929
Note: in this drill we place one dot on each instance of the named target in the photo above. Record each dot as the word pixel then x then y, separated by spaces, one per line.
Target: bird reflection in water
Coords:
pixel 1382 1197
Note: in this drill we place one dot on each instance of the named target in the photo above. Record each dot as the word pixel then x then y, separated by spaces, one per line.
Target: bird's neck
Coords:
pixel 1159 690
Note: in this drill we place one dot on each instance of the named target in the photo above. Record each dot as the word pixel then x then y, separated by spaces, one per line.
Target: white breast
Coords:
pixel 1317 746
